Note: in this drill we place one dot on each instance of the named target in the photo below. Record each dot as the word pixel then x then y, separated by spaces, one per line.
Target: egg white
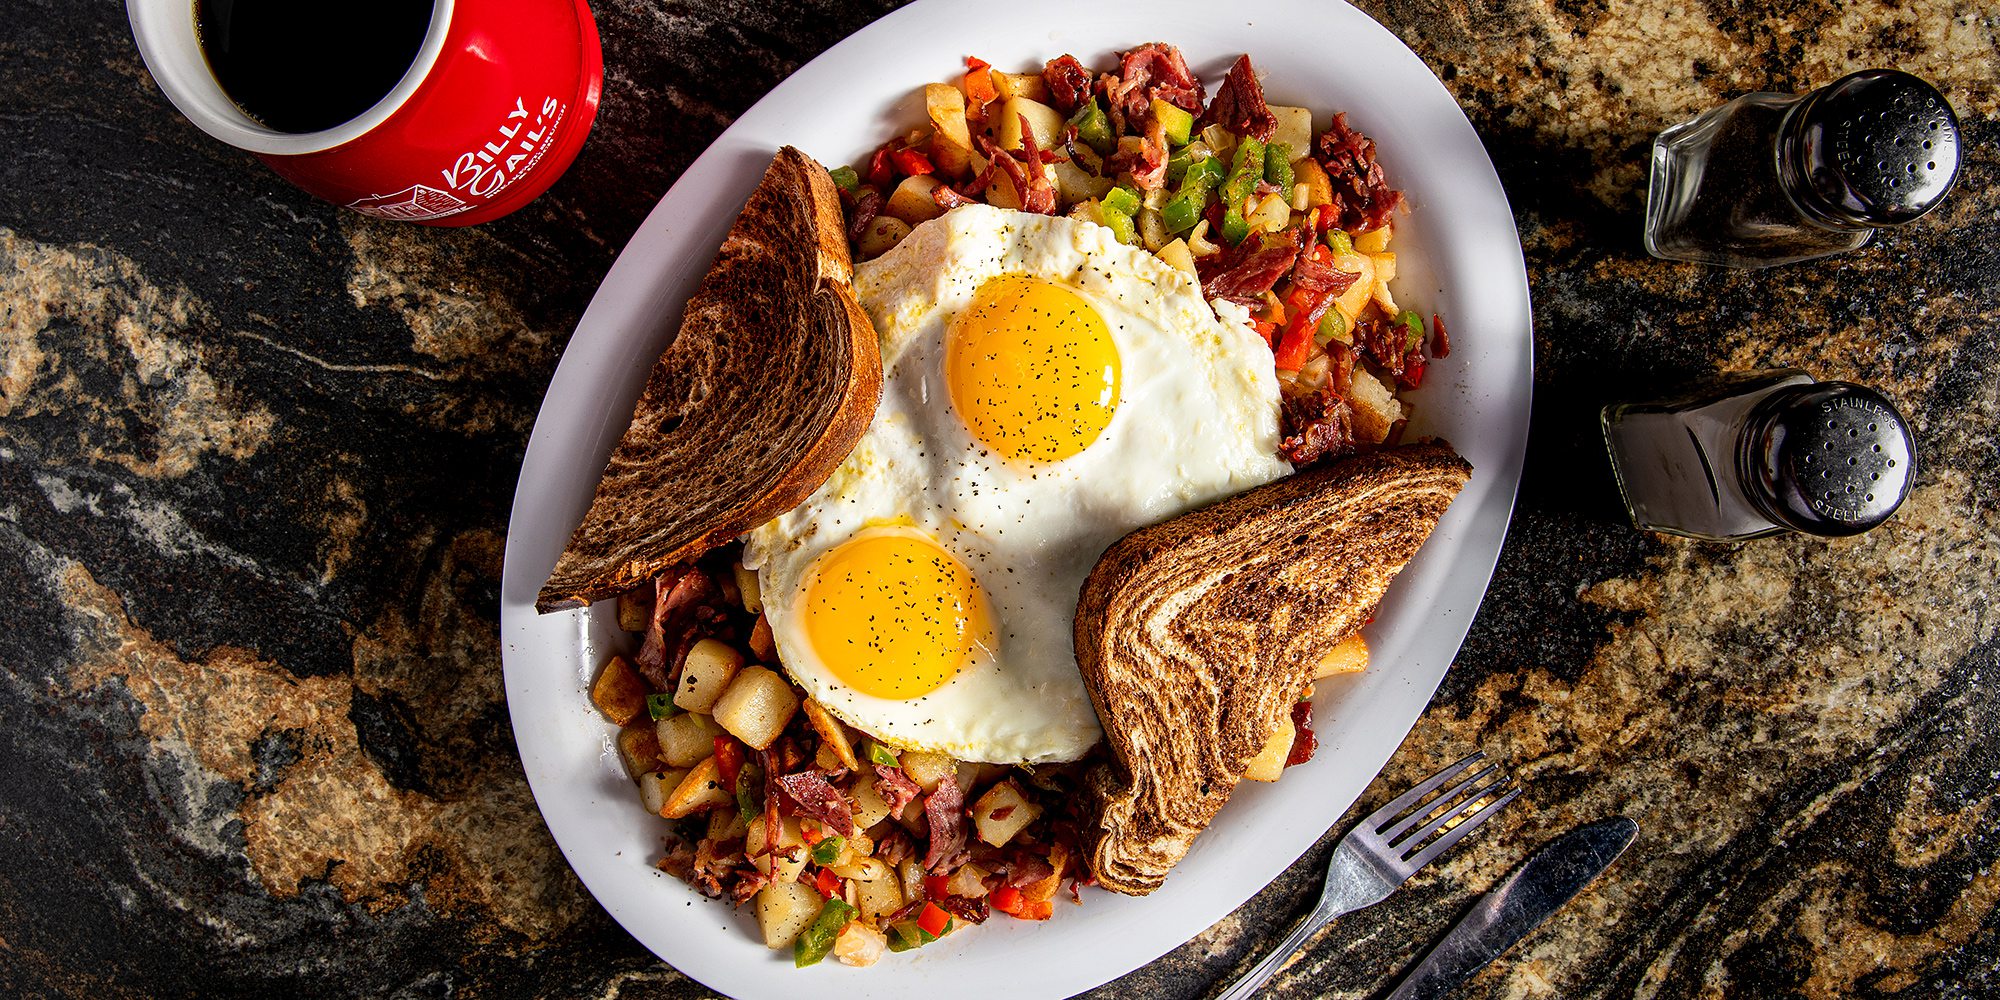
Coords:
pixel 1197 421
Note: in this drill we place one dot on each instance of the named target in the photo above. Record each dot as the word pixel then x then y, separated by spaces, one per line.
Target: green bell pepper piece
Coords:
pixel 1415 323
pixel 1244 175
pixel 1234 226
pixel 1339 242
pixel 1332 327
pixel 1122 200
pixel 827 851
pixel 1278 167
pixel 1179 123
pixel 660 706
pixel 845 178
pixel 878 754
pixel 1121 225
pixel 1093 126
pixel 1181 212
pixel 817 939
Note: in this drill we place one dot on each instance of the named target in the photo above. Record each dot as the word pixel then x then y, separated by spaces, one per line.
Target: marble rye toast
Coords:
pixel 1195 637
pixel 772 378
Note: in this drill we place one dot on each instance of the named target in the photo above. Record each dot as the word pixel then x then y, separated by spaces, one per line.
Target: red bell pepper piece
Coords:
pixel 728 760
pixel 1304 743
pixel 1297 345
pixel 1007 899
pixel 1324 217
pixel 979 82
pixel 827 883
pixel 933 920
pixel 878 169
pixel 912 162
pixel 1267 330
pixel 934 886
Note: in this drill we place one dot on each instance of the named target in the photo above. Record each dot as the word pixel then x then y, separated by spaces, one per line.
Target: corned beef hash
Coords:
pixel 1104 298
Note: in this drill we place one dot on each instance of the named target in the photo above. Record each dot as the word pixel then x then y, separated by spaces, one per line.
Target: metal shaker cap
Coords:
pixel 1875 148
pixel 1829 458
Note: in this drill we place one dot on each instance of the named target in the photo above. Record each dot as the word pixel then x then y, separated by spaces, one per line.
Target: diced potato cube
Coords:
pixel 700 789
pixel 1295 128
pixel 620 693
pixel 869 806
pixel 911 873
pixel 912 201
pixel 639 749
pixel 826 759
pixel 787 870
pixel 1153 229
pixel 1002 193
pixel 763 645
pixel 635 609
pixel 1382 296
pixel 1376 410
pixel 1002 812
pixel 756 706
pixel 862 870
pixel 748 589
pixel 833 733
pixel 927 769
pixel 710 665
pixel 1385 264
pixel 1319 189
pixel 1074 184
pixel 1269 763
pixel 913 819
pixel 784 909
pixel 1351 302
pixel 727 824
pixel 686 739
pixel 1028 85
pixel 1271 214
pixel 968 881
pixel 882 235
pixel 1374 241
pixel 1046 123
pixel 859 945
pixel 951 146
pixel 1178 255
pixel 1348 656
pixel 655 786
pixel 1045 890
pixel 878 896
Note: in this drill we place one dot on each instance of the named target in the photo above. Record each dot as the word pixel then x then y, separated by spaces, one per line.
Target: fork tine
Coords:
pixel 1380 818
pixel 1451 802
pixel 1457 833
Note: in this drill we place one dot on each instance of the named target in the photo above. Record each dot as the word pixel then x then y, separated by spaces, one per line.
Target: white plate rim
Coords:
pixel 1480 397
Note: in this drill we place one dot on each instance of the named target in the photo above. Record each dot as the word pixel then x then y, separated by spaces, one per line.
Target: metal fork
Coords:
pixel 1385 849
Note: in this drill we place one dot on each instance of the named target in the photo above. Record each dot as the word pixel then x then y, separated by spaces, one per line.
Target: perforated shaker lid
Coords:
pixel 1830 458
pixel 1875 148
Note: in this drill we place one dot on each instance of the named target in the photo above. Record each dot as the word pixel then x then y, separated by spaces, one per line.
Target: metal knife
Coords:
pixel 1518 905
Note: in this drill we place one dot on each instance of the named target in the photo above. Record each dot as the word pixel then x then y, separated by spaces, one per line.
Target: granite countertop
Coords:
pixel 256 456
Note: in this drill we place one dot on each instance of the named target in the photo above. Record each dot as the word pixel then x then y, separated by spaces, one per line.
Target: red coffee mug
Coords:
pixel 496 105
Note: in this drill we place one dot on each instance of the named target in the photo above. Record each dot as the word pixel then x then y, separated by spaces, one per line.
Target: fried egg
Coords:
pixel 1046 390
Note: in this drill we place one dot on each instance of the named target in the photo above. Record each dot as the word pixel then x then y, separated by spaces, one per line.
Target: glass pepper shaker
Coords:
pixel 1774 178
pixel 1758 453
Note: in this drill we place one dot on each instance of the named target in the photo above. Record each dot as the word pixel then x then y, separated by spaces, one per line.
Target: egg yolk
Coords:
pixel 1032 369
pixel 893 615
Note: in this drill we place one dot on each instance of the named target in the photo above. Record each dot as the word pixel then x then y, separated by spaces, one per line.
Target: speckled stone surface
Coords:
pixel 256 456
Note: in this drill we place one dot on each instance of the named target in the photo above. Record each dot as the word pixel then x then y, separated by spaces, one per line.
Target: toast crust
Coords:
pixel 1196 635
pixel 774 375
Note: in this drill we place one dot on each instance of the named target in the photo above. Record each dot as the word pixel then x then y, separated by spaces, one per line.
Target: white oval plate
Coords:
pixel 1459 256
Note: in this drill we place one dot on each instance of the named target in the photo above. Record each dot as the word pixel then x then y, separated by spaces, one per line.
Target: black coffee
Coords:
pixel 308 65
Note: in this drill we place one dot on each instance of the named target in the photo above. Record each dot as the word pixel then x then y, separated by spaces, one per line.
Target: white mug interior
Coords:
pixel 165 31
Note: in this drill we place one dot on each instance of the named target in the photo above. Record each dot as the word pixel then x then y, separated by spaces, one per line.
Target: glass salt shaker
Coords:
pixel 1758 453
pixel 1774 178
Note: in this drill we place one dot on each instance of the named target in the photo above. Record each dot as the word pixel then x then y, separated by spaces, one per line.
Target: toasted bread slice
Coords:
pixel 1195 637
pixel 773 376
